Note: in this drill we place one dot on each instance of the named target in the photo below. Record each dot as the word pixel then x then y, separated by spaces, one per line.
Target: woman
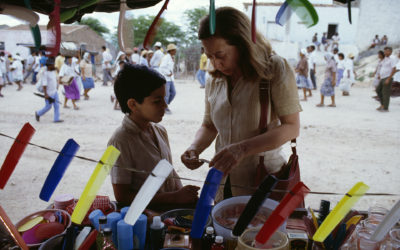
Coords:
pixel 232 111
pixel 377 78
pixel 302 75
pixel 72 89
pixel 340 68
pixel 17 71
pixel 87 75
pixel 328 86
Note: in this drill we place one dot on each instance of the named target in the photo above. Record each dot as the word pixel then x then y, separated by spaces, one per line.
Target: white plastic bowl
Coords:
pixel 269 204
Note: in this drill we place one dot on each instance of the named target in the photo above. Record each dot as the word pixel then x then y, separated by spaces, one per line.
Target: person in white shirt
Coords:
pixel 381 56
pixel 71 89
pixel 30 61
pixel 340 68
pixel 311 64
pixel 335 41
pixel 167 69
pixel 348 75
pixel 17 71
pixel 3 71
pixel 143 59
pixel 386 73
pixel 158 55
pixel 50 86
pixel 135 56
pixel 106 66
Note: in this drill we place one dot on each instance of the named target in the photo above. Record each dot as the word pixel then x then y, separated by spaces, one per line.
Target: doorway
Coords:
pixel 332 29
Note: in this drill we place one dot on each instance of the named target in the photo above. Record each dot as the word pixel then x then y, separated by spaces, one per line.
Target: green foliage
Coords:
pixel 95 25
pixel 193 17
pixel 166 33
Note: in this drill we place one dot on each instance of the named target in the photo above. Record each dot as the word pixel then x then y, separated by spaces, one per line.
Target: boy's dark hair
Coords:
pixel 137 82
pixel 341 55
pixel 380 52
pixel 388 48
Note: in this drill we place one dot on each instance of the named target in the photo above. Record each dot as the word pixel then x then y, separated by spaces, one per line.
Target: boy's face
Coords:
pixel 152 109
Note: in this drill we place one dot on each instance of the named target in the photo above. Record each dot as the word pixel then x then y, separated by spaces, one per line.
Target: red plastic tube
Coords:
pixel 89 241
pixel 12 230
pixel 15 153
pixel 288 204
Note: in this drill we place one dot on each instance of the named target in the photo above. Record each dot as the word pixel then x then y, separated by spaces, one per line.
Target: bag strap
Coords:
pixel 265 113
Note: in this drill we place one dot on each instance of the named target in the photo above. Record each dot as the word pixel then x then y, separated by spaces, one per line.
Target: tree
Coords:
pixel 166 32
pixel 95 25
pixel 193 17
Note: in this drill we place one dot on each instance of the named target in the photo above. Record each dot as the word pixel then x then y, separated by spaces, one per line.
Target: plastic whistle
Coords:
pixel 255 202
pixel 148 190
pixel 9 226
pixel 15 153
pixel 340 210
pixel 58 169
pixel 387 223
pixel 99 174
pixel 204 204
pixel 288 204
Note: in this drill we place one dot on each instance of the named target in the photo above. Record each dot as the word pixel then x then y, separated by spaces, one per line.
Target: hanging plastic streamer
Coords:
pixel 34 29
pixel 305 11
pixel 349 9
pixel 125 29
pixel 151 33
pixel 68 14
pixel 253 23
pixel 212 17
pixel 284 14
pixel 54 36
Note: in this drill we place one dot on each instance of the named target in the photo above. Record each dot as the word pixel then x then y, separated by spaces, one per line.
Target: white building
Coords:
pixel 369 18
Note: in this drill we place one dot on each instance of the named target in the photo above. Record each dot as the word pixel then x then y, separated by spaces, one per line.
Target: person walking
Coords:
pixel 135 58
pixel 201 73
pixel 71 87
pixel 49 83
pixel 158 55
pixel 340 68
pixel 312 65
pixel 315 41
pixel 302 75
pixel 30 62
pixel 60 59
pixel 386 73
pixel 167 69
pixel 348 75
pixel 143 59
pixel 17 71
pixel 106 66
pixel 3 71
pixel 87 75
pixel 328 86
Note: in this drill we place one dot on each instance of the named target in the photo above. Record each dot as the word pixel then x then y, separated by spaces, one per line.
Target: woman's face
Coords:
pixel 224 57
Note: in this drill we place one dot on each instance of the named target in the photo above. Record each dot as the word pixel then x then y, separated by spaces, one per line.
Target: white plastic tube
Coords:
pixel 148 190
pixel 387 223
pixel 81 237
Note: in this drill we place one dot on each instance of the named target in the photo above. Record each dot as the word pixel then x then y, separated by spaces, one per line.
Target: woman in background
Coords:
pixel 87 75
pixel 302 75
pixel 72 89
pixel 328 86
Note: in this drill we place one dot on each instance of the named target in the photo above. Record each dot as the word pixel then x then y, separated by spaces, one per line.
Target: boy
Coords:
pixel 142 142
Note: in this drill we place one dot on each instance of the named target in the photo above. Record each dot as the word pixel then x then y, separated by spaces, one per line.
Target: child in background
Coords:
pixel 142 141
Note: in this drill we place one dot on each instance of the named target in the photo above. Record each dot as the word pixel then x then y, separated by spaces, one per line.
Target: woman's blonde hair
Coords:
pixel 234 27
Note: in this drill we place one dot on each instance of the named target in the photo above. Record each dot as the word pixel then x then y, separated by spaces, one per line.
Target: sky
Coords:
pixel 174 12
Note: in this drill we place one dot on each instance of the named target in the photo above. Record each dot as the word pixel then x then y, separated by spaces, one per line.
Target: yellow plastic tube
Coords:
pixel 340 211
pixel 99 174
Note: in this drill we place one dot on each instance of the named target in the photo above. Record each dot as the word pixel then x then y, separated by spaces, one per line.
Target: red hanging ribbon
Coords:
pixel 253 22
pixel 55 29
pixel 151 33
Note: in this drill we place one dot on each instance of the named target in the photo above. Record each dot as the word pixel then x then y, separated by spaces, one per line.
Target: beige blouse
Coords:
pixel 140 152
pixel 238 119
pixel 87 67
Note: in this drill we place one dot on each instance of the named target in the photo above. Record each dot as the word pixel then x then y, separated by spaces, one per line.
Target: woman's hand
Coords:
pixel 228 158
pixel 188 194
pixel 191 159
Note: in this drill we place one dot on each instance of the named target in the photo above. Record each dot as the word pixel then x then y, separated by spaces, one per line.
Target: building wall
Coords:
pixel 295 31
pixel 12 37
pixel 378 18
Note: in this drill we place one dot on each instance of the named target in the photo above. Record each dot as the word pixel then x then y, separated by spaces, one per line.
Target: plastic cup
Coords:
pixel 278 240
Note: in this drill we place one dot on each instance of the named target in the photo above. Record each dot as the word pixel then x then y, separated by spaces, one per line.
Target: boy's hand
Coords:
pixel 188 194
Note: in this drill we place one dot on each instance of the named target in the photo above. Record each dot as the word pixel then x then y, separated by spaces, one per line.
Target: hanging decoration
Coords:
pixel 55 30
pixel 151 33
pixel 348 2
pixel 253 23
pixel 68 14
pixel 212 17
pixel 284 14
pixel 34 28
